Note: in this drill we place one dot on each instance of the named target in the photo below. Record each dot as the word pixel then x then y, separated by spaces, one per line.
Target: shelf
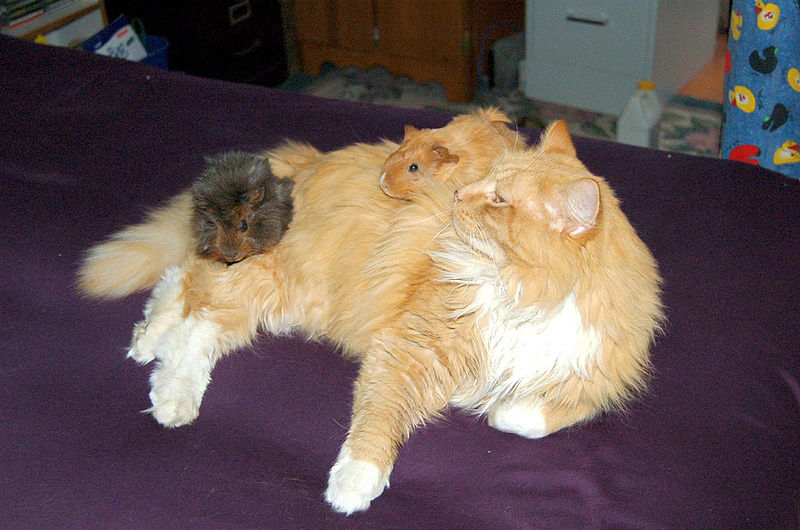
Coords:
pixel 51 20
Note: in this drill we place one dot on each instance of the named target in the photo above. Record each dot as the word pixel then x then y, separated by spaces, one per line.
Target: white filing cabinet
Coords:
pixel 590 54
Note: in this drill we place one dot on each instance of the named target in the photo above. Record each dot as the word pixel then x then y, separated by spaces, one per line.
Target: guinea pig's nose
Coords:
pixel 456 196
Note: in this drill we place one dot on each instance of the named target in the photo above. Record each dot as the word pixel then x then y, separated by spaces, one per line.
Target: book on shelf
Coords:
pixel 14 13
pixel 10 13
pixel 23 19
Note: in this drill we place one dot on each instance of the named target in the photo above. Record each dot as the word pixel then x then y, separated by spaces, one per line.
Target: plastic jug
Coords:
pixel 638 121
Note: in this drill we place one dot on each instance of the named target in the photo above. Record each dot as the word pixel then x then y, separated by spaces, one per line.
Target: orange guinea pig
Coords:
pixel 459 153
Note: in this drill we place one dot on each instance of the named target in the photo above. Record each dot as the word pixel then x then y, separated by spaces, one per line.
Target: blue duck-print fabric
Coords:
pixel 762 85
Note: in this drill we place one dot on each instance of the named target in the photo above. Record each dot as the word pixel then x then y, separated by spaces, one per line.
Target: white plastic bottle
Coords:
pixel 638 121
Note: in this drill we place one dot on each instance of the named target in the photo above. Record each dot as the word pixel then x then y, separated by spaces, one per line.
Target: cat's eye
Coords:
pixel 243 226
pixel 413 168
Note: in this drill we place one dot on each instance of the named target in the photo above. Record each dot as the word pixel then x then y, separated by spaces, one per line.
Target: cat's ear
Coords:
pixel 409 131
pixel 443 155
pixel 556 139
pixel 580 207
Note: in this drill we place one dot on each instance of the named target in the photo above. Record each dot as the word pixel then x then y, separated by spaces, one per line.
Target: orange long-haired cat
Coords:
pixel 527 297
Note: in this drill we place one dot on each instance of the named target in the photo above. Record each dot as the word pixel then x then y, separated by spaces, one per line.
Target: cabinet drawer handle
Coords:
pixel 596 20
pixel 253 46
pixel 239 12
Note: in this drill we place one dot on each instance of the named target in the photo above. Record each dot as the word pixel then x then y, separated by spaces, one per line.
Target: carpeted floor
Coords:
pixel 687 125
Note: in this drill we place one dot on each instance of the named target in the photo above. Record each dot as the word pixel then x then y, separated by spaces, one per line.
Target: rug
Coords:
pixel 687 125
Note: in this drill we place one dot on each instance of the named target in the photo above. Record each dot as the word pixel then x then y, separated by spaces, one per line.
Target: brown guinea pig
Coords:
pixel 462 150
pixel 240 207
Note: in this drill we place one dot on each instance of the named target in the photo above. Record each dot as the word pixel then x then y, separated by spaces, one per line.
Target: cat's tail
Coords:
pixel 290 157
pixel 134 258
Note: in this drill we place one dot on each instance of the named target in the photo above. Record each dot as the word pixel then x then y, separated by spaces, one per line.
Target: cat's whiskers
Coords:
pixel 438 215
pixel 440 232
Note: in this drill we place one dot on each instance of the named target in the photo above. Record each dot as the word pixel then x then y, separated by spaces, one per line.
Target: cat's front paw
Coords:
pixel 353 484
pixel 524 419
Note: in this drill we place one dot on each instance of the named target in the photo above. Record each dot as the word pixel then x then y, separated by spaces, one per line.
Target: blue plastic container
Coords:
pixel 156 52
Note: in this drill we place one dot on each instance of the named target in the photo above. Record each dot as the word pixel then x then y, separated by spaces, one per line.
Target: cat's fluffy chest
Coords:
pixel 531 346
pixel 525 348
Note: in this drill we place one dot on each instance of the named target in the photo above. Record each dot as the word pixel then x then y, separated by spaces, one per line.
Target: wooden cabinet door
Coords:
pixel 354 21
pixel 423 29
pixel 345 24
pixel 312 21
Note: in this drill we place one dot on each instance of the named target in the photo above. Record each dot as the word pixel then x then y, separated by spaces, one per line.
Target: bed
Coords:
pixel 89 142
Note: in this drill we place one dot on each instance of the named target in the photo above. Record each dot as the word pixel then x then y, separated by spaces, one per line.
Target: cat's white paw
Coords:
pixel 524 419
pixel 176 400
pixel 185 359
pixel 139 350
pixel 353 484
pixel 163 311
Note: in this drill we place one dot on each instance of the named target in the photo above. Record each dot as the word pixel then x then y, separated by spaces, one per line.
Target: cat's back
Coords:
pixel 341 215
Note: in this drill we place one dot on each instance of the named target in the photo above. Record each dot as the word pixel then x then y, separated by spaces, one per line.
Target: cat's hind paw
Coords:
pixel 353 484
pixel 163 312
pixel 174 401
pixel 181 376
pixel 139 350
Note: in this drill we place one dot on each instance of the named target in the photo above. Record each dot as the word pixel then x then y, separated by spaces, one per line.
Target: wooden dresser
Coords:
pixel 424 39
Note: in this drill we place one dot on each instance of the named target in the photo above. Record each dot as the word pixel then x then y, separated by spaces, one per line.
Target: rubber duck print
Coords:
pixel 788 153
pixel 779 116
pixel 793 77
pixel 767 15
pixel 736 24
pixel 742 98
pixel 764 64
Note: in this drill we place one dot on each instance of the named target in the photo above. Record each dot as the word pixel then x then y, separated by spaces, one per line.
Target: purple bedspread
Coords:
pixel 88 142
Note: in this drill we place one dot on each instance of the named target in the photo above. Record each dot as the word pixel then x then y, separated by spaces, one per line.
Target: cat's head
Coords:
pixel 421 155
pixel 536 207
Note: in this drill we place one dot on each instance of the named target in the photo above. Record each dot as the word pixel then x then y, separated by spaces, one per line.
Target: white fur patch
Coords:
pixel 534 344
pixel 518 417
pixel 353 484
pixel 186 356
pixel 186 350
pixel 162 312
pixel 526 347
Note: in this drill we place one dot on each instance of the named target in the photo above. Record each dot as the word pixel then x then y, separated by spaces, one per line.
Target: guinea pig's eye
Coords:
pixel 243 226
pixel 413 168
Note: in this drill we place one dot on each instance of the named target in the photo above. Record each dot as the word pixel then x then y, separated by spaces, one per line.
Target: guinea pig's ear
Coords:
pixel 203 213
pixel 442 155
pixel 283 190
pixel 256 195
pixel 409 131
